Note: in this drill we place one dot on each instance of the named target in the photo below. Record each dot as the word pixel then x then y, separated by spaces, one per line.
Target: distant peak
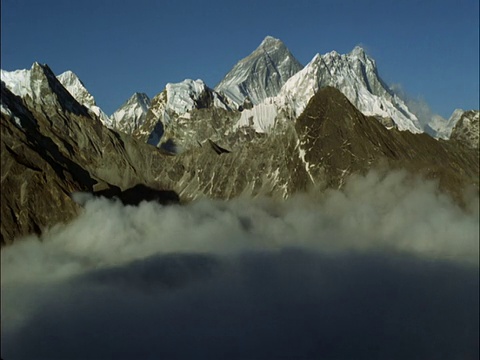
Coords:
pixel 68 74
pixel 37 64
pixel 333 53
pixel 42 69
pixel 69 77
pixel 140 96
pixel 270 41
pixel 358 51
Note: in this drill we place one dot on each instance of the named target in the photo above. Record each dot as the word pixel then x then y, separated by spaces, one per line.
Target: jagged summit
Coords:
pixel 140 96
pixel 20 82
pixel 171 110
pixel 137 97
pixel 27 83
pixel 261 74
pixel 37 84
pixel 132 113
pixel 359 52
pixel 76 87
pixel 270 41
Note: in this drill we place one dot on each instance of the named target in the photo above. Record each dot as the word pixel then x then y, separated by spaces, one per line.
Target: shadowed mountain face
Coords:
pixel 52 146
pixel 338 140
pixel 138 193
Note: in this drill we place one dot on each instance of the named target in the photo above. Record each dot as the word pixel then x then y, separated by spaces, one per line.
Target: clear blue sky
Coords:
pixel 117 47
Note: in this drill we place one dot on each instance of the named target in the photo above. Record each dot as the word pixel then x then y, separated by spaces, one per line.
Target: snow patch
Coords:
pixel 6 111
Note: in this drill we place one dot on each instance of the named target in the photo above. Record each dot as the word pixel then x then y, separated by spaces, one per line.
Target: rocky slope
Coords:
pixel 466 129
pixel 337 140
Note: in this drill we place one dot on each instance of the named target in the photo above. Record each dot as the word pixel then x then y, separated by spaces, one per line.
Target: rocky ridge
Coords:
pixel 171 119
pixel 77 89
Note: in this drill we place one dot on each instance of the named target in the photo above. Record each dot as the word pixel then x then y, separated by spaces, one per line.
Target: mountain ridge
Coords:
pixel 193 141
pixel 354 73
pixel 53 146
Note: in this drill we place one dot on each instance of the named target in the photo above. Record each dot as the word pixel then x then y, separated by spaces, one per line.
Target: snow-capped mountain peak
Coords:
pixel 173 107
pixel 132 113
pixel 261 74
pixel 141 99
pixel 39 85
pixel 354 74
pixel 75 86
pixel 269 40
pixel 26 82
pixel 185 96
pixel 358 52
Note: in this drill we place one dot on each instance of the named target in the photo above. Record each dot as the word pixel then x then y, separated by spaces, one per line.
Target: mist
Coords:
pixel 387 267
pixel 431 121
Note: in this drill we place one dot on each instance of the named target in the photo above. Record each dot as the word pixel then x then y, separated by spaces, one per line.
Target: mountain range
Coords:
pixel 270 127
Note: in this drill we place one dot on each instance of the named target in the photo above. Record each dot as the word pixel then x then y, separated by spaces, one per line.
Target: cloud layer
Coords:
pixel 385 268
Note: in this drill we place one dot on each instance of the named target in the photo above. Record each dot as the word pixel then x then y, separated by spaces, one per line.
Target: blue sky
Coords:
pixel 117 47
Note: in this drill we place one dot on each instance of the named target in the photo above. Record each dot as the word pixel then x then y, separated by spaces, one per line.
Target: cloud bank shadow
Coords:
pixel 290 304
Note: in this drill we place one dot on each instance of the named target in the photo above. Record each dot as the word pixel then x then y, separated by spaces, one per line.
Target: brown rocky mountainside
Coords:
pixel 52 146
pixel 339 140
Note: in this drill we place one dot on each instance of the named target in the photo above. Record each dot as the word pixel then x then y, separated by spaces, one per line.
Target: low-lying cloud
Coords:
pixel 385 268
